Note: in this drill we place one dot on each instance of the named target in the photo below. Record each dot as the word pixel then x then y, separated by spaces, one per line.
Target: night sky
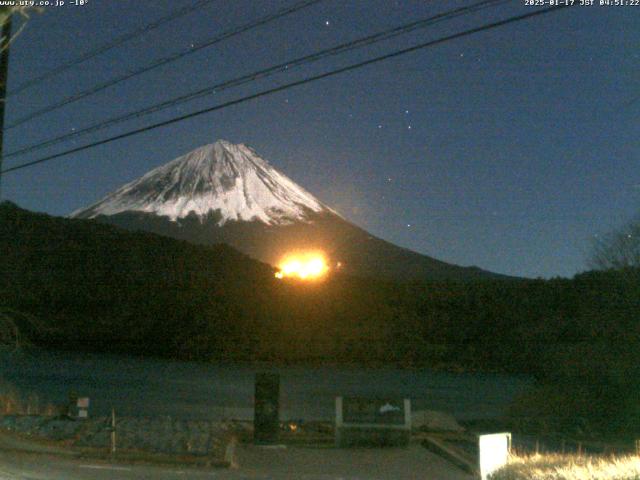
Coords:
pixel 509 149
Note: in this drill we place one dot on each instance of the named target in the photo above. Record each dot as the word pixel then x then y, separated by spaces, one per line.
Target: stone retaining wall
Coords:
pixel 158 435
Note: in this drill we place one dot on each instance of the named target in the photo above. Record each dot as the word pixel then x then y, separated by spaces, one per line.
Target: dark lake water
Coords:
pixel 150 387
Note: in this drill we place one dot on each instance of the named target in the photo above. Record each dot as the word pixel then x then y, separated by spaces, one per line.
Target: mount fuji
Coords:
pixel 227 193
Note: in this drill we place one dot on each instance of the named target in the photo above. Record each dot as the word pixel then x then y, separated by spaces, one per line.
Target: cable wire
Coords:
pixel 165 60
pixel 264 73
pixel 116 42
pixel 287 86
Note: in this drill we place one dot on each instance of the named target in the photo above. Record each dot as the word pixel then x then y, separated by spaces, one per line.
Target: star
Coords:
pixel 379 126
pixel 409 127
pixel 327 23
pixel 406 112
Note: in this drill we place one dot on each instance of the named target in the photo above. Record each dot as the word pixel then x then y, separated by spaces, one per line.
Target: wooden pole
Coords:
pixel 113 431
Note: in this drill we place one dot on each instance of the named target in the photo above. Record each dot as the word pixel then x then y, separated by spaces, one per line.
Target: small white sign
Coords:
pixel 387 407
pixel 494 452
pixel 83 414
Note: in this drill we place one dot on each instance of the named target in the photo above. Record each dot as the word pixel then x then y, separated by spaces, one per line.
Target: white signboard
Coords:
pixel 494 452
pixel 377 421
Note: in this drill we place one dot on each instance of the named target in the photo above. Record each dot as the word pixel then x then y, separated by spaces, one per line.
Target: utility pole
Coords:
pixel 4 70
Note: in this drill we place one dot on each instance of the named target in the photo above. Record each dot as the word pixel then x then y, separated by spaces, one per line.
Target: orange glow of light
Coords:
pixel 303 266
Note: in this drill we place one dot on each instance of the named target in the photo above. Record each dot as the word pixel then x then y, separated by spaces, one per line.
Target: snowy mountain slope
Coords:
pixel 225 193
pixel 221 177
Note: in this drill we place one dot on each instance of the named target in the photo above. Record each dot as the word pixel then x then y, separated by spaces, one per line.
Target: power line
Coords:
pixel 5 43
pixel 313 78
pixel 165 60
pixel 264 73
pixel 116 42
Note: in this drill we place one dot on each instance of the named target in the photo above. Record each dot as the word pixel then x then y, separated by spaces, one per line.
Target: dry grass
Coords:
pixel 13 403
pixel 10 400
pixel 569 467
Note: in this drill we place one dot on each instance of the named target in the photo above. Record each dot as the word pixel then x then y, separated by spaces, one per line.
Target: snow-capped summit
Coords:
pixel 226 193
pixel 223 177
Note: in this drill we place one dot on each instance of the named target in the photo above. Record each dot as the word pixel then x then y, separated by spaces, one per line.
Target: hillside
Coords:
pixel 99 288
pixel 103 288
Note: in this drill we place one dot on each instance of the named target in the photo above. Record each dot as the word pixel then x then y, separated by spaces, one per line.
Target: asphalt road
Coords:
pixel 254 463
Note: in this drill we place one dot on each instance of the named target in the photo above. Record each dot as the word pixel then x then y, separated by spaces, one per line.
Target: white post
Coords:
pixel 339 422
pixel 407 414
pixel 113 431
pixel 493 452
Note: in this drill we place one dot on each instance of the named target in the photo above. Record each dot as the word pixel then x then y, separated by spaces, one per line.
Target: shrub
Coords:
pixel 569 467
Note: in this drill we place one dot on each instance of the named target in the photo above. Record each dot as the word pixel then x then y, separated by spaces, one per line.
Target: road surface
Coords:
pixel 254 463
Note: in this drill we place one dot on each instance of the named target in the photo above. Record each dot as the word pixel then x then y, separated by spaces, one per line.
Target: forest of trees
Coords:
pixel 78 284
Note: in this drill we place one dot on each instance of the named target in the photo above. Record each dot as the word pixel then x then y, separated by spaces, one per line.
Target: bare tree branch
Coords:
pixel 13 325
pixel 617 250
pixel 5 14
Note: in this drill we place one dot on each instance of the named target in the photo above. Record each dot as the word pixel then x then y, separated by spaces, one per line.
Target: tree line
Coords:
pixel 78 284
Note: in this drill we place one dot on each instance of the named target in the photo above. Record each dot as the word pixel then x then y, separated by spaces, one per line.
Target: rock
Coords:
pixel 431 420
pixel 22 423
pixel 59 429
pixel 100 439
